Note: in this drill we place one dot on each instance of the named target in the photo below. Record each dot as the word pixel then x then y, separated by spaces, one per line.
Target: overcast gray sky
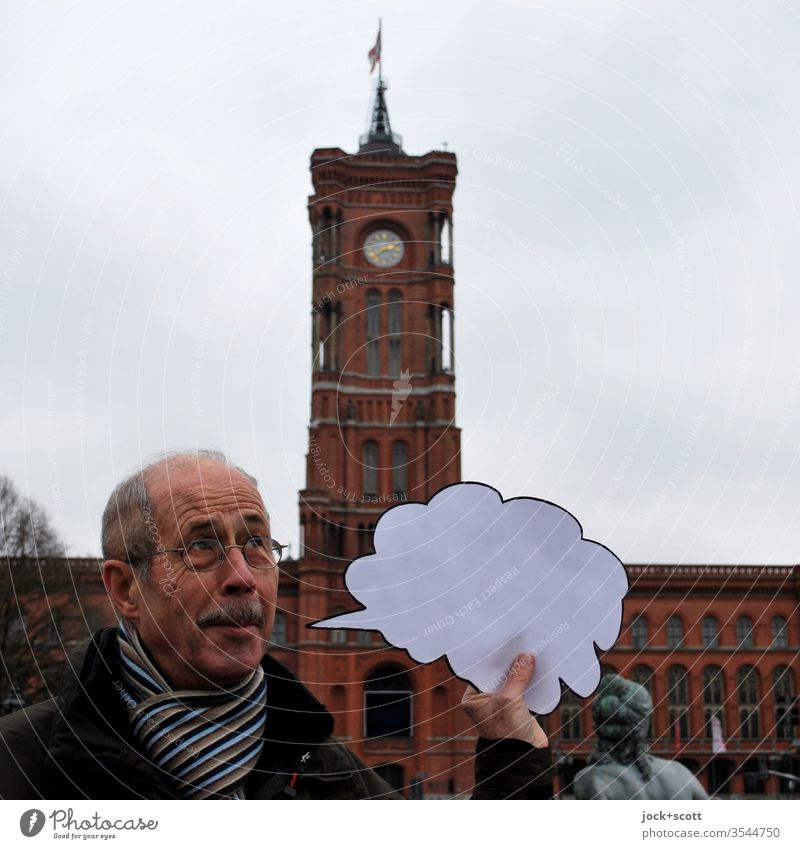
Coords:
pixel 626 248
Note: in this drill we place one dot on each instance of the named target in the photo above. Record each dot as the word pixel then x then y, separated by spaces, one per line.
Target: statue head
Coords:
pixel 621 710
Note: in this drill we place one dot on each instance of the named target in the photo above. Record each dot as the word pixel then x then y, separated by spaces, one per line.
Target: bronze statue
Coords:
pixel 620 767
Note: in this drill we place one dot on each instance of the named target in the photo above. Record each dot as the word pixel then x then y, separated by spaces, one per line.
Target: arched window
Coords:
pixel 448 345
pixel 639 632
pixel 338 635
pixel 446 244
pixel 388 703
pixel 643 675
pixel 744 632
pixel 674 632
pixel 710 632
pixel 678 702
pixel 370 463
pixel 747 689
pixel 571 723
pixel 395 322
pixel 783 695
pixel 713 696
pixel 278 637
pixel 780 636
pixel 399 469
pixel 373 333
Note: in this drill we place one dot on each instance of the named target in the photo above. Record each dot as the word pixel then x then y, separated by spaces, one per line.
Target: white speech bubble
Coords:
pixel 476 579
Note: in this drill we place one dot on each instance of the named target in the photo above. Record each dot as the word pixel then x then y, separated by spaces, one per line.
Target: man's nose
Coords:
pixel 237 574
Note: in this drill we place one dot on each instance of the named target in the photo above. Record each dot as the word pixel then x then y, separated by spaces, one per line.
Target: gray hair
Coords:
pixel 129 531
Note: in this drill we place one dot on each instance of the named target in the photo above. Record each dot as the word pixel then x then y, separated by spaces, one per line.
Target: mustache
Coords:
pixel 239 612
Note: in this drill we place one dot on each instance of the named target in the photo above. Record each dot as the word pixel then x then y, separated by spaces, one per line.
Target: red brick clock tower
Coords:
pixel 382 431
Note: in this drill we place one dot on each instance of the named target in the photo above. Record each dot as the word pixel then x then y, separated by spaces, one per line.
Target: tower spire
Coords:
pixel 380 136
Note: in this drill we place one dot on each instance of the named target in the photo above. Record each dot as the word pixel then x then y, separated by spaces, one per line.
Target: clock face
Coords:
pixel 384 248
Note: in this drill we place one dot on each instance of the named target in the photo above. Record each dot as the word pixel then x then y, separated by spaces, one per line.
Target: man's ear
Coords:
pixel 122 587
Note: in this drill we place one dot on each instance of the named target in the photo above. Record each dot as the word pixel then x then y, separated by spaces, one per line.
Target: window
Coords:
pixel 571 725
pixel 674 632
pixel 783 695
pixel 399 469
pixel 713 696
pixel 678 703
pixel 364 638
pixel 747 688
pixel 395 321
pixel 643 675
pixel 338 635
pixel 710 633
pixel 744 632
pixel 373 333
pixel 279 630
pixel 370 463
pixel 780 636
pixel 388 703
pixel 639 632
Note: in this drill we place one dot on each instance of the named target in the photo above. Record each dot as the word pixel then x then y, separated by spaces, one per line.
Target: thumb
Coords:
pixel 519 675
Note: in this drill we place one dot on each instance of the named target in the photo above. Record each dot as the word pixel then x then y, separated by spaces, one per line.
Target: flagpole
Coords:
pixel 380 52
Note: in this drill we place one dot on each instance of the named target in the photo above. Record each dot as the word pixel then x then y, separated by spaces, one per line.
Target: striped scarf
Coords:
pixel 208 741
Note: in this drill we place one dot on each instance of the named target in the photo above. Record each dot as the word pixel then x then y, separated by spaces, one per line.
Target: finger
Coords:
pixel 519 676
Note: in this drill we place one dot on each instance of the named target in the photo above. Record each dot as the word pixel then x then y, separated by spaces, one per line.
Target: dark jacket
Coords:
pixel 80 746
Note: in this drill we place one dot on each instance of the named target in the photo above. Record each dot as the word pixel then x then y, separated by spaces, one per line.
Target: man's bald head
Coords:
pixel 130 520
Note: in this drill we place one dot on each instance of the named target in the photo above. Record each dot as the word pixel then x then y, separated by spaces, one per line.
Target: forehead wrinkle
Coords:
pixel 198 497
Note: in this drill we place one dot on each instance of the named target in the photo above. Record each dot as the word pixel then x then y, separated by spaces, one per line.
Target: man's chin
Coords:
pixel 236 650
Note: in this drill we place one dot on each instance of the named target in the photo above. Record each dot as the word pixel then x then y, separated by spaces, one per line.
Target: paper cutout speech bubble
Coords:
pixel 477 579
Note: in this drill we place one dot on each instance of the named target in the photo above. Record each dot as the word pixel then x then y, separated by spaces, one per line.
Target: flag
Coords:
pixel 717 743
pixel 374 55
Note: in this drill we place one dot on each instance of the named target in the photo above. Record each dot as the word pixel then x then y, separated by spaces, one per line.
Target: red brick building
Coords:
pixel 707 640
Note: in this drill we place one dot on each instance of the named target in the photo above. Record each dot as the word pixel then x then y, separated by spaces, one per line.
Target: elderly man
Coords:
pixel 182 701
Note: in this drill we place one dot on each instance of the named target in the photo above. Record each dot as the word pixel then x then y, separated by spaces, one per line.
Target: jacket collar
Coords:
pixel 94 725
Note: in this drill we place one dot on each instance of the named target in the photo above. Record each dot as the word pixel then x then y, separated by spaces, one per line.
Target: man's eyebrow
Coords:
pixel 208 524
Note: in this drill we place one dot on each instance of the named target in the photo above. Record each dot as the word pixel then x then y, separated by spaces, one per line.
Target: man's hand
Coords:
pixel 504 713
